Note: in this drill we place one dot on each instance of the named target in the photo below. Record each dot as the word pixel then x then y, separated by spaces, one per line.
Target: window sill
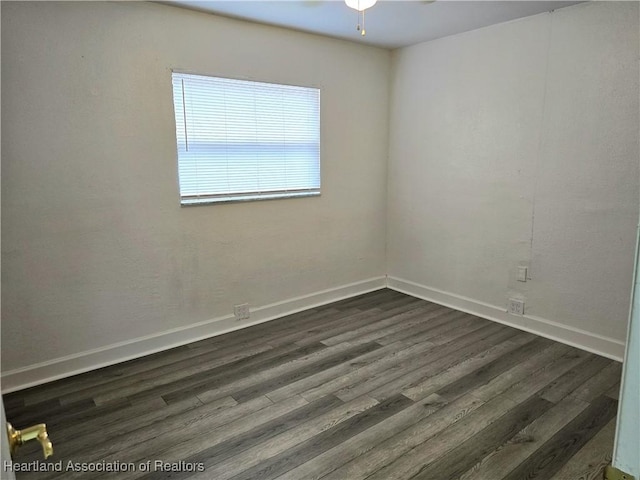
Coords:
pixel 196 202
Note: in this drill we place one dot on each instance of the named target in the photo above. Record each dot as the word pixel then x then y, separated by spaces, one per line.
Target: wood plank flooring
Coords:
pixel 381 386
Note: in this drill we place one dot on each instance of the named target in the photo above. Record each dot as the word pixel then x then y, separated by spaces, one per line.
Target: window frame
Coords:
pixel 241 197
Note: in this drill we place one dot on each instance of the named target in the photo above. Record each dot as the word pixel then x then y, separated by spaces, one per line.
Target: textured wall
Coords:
pixel 95 247
pixel 517 144
pixel 514 144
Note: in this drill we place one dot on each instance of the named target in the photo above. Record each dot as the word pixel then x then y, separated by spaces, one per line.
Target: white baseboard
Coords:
pixel 598 344
pixel 67 366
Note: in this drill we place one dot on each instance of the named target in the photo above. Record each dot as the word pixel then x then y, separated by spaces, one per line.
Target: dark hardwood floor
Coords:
pixel 381 386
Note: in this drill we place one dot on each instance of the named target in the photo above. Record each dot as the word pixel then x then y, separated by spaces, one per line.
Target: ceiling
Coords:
pixel 389 24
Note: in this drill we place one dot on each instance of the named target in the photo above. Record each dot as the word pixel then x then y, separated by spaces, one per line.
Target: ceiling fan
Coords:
pixel 361 5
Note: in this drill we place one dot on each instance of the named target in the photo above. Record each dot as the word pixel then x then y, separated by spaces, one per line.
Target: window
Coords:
pixel 241 140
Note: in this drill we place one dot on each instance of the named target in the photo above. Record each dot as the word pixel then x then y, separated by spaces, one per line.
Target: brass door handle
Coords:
pixel 36 432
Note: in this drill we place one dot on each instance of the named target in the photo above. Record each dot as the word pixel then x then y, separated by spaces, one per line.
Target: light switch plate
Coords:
pixel 522 274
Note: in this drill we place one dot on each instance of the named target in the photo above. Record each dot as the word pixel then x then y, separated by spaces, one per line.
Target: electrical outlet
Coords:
pixel 241 311
pixel 516 306
pixel 522 274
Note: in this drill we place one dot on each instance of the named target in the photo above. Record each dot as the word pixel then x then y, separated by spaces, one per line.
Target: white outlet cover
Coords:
pixel 241 312
pixel 516 306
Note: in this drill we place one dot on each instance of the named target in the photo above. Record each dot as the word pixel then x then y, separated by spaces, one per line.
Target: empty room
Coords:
pixel 320 239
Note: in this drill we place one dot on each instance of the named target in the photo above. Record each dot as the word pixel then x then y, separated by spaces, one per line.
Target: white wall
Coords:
pixel 95 247
pixel 5 452
pixel 517 144
pixel 626 452
pixel 513 144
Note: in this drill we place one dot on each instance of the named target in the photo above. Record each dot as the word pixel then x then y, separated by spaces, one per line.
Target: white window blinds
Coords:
pixel 242 140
